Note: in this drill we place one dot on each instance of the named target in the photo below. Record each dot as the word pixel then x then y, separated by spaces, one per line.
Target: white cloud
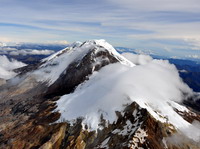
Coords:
pixel 60 42
pixel 179 139
pixel 153 85
pixel 175 57
pixel 31 52
pixel 167 49
pixel 6 67
pixel 5 48
pixel 13 51
pixel 144 51
pixel 194 43
pixel 138 59
pixel 194 56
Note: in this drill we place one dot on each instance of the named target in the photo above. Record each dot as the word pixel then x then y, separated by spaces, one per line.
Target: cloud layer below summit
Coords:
pixel 7 66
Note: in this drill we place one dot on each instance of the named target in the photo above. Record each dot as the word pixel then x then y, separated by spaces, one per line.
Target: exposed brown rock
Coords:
pixel 189 116
pixel 56 139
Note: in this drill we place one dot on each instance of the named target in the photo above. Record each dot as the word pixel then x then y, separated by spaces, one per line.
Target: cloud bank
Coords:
pixel 195 56
pixel 153 84
pixel 31 52
pixel 14 51
pixel 138 59
pixel 6 67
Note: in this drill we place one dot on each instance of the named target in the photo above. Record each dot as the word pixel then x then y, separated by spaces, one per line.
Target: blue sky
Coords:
pixel 167 27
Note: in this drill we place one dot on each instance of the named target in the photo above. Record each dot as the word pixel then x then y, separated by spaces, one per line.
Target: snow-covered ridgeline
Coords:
pixel 113 52
pixel 55 64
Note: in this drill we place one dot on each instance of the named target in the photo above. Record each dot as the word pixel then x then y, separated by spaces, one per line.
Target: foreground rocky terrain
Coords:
pixel 33 106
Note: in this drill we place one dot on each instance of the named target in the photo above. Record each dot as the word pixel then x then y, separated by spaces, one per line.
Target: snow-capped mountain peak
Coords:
pixel 62 59
pixel 89 96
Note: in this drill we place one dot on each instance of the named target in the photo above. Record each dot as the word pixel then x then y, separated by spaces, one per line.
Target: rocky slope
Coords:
pixel 75 99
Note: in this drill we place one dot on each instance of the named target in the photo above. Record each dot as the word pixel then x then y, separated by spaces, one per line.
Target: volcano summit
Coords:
pixel 90 96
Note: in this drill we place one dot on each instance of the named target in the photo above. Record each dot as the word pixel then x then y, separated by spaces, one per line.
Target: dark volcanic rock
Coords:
pixel 78 71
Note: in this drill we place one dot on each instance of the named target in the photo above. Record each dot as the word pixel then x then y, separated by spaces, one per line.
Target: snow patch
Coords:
pixel 104 144
pixel 58 62
pixel 138 138
pixel 129 128
pixel 112 51
pixel 165 143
